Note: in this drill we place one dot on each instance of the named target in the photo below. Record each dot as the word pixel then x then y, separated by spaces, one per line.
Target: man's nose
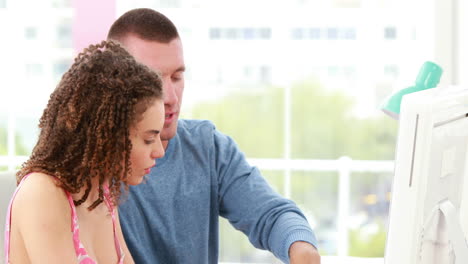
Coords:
pixel 170 96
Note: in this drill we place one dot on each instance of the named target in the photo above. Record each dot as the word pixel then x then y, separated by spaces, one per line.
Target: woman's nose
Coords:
pixel 158 152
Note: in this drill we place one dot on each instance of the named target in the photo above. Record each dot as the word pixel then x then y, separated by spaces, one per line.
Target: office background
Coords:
pixel 296 83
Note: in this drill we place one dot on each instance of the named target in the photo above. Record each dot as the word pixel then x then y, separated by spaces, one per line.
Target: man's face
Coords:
pixel 168 60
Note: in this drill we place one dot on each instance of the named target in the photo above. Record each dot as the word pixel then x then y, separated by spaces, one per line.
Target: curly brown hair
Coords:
pixel 84 130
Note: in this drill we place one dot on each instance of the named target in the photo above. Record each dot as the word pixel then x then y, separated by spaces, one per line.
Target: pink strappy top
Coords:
pixel 81 253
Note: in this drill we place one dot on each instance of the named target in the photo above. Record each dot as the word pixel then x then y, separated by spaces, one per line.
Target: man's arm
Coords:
pixel 290 228
pixel 270 221
pixel 302 252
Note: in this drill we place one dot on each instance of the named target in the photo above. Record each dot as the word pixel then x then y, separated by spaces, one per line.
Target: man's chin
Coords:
pixel 168 133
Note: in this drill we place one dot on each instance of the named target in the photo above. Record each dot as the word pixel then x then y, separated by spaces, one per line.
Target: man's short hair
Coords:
pixel 146 24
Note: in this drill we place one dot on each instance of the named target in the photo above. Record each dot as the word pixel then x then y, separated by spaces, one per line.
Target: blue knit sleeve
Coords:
pixel 270 221
pixel 296 229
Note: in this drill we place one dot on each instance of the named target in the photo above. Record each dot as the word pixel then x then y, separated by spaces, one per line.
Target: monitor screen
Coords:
pixel 429 197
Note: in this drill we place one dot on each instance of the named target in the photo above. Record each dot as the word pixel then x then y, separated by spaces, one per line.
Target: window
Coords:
pixel 265 74
pixel 234 33
pixel 314 33
pixel 3 144
pixel 231 33
pixel 215 33
pixel 297 33
pixel 60 67
pixel 61 3
pixel 391 70
pixel 3 137
pixel 348 33
pixel 64 34
pixel 349 72
pixel 169 3
pixel 249 33
pixel 390 33
pixel 30 33
pixel 265 33
pixel 248 72
pixel 33 69
pixel 333 70
pixel 332 33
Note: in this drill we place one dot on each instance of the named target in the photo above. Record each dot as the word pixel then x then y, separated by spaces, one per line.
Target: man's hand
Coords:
pixel 302 252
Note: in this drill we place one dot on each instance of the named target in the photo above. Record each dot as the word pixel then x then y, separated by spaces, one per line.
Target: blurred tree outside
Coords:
pixel 252 117
pixel 322 127
pixel 360 239
pixel 3 141
pixel 20 148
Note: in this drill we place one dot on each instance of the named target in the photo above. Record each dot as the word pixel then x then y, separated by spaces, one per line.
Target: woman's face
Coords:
pixel 146 142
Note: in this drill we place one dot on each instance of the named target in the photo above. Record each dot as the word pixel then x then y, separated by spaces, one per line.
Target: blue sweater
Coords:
pixel 172 217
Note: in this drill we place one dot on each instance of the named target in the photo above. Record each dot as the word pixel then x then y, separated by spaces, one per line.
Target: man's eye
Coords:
pixel 177 77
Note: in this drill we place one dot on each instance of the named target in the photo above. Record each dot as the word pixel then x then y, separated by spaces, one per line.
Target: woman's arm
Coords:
pixel 42 216
pixel 128 257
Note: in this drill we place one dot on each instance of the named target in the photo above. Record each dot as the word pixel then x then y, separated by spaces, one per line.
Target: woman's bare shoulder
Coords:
pixel 40 190
pixel 41 210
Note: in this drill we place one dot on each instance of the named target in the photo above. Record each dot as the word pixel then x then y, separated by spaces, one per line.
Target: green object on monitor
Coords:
pixel 428 77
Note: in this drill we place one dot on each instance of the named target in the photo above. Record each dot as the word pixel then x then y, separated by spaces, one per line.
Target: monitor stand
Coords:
pixel 442 238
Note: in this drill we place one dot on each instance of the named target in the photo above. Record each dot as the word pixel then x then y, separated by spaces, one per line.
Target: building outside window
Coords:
pixel 390 33
pixel 30 33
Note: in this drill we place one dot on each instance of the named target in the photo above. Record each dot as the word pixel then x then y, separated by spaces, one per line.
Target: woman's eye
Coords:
pixel 147 142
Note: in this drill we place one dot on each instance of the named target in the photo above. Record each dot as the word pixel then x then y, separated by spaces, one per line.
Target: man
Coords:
pixel 173 218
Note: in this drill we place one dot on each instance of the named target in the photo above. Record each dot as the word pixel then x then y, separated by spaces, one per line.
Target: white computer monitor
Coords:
pixel 428 221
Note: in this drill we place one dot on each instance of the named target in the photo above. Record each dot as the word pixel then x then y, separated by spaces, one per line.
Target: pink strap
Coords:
pixel 8 222
pixel 109 204
pixel 79 248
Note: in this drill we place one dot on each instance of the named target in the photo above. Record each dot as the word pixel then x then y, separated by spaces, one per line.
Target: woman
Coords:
pixel 99 132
